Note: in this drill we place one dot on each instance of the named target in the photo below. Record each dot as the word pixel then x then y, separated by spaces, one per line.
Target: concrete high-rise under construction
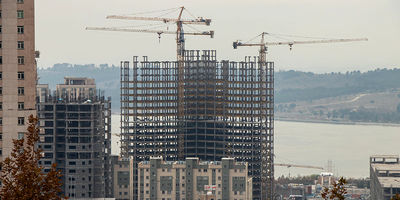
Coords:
pixel 200 108
pixel 17 70
pixel 75 132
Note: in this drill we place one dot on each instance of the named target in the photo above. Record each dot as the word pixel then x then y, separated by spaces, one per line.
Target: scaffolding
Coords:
pixel 228 112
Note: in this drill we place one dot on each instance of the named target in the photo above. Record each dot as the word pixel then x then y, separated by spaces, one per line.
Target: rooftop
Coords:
pixel 385 156
pixel 393 182
pixel 386 167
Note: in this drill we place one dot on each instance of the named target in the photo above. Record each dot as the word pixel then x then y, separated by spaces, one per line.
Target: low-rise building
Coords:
pixel 194 180
pixel 122 178
pixel 385 176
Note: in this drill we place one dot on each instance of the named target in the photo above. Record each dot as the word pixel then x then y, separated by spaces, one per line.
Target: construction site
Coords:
pixel 198 106
pixel 222 109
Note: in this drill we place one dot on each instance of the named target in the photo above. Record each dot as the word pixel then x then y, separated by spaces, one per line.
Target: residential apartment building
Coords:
pixel 384 176
pixel 194 180
pixel 76 88
pixel 122 169
pixel 75 133
pixel 43 92
pixel 17 70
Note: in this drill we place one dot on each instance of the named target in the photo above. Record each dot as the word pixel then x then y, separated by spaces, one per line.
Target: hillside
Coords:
pixel 292 88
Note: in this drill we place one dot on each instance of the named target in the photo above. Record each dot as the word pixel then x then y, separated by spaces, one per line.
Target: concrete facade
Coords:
pixel 122 178
pixel 76 88
pixel 76 135
pixel 18 70
pixel 384 176
pixel 188 180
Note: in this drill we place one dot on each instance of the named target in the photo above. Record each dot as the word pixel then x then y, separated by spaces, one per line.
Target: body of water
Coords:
pixel 347 146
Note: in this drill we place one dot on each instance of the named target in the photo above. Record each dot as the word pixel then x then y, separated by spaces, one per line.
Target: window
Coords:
pixel 21 105
pixel 1 105
pixel 20 14
pixel 1 90
pixel 20 1
pixel 1 60
pixel 1 75
pixel 0 28
pixel 21 121
pixel 20 29
pixel 21 91
pixel 21 136
pixel 20 45
pixel 1 44
pixel 1 152
pixel 1 136
pixel 21 76
pixel 1 121
pixel 21 60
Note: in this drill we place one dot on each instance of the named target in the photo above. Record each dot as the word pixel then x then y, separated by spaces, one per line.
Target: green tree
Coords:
pixel 337 191
pixel 22 178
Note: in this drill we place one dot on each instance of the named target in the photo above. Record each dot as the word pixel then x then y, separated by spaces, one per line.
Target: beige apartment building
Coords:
pixel 17 70
pixel 76 89
pixel 194 180
pixel 122 178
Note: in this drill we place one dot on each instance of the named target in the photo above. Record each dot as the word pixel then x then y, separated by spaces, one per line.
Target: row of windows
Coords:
pixel 21 121
pixel 20 29
pixel 20 45
pixel 21 59
pixel 20 75
pixel 18 1
pixel 20 136
pixel 21 105
pixel 20 14
pixel 21 91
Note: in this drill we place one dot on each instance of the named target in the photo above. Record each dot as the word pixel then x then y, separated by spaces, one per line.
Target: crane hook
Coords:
pixel 159 37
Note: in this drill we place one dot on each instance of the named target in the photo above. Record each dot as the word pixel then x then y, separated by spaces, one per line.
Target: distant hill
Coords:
pixel 303 86
pixel 290 86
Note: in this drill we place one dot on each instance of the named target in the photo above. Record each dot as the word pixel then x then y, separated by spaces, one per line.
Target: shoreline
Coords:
pixel 335 122
pixel 324 121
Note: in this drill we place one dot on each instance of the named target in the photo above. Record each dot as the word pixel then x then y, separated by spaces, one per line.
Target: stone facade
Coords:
pixel 193 180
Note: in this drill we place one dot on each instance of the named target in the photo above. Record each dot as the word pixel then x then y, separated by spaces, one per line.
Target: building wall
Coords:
pixel 76 89
pixel 77 136
pixel 123 179
pixel 384 176
pixel 186 180
pixel 10 68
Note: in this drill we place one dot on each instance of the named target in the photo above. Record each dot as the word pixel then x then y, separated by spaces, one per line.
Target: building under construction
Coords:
pixel 201 108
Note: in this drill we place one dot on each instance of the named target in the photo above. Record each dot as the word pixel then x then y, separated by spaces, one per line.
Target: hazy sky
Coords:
pixel 60 34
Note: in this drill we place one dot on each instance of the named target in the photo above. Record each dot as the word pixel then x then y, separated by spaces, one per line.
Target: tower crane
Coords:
pixel 180 34
pixel 267 174
pixel 180 53
pixel 298 166
pixel 263 45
